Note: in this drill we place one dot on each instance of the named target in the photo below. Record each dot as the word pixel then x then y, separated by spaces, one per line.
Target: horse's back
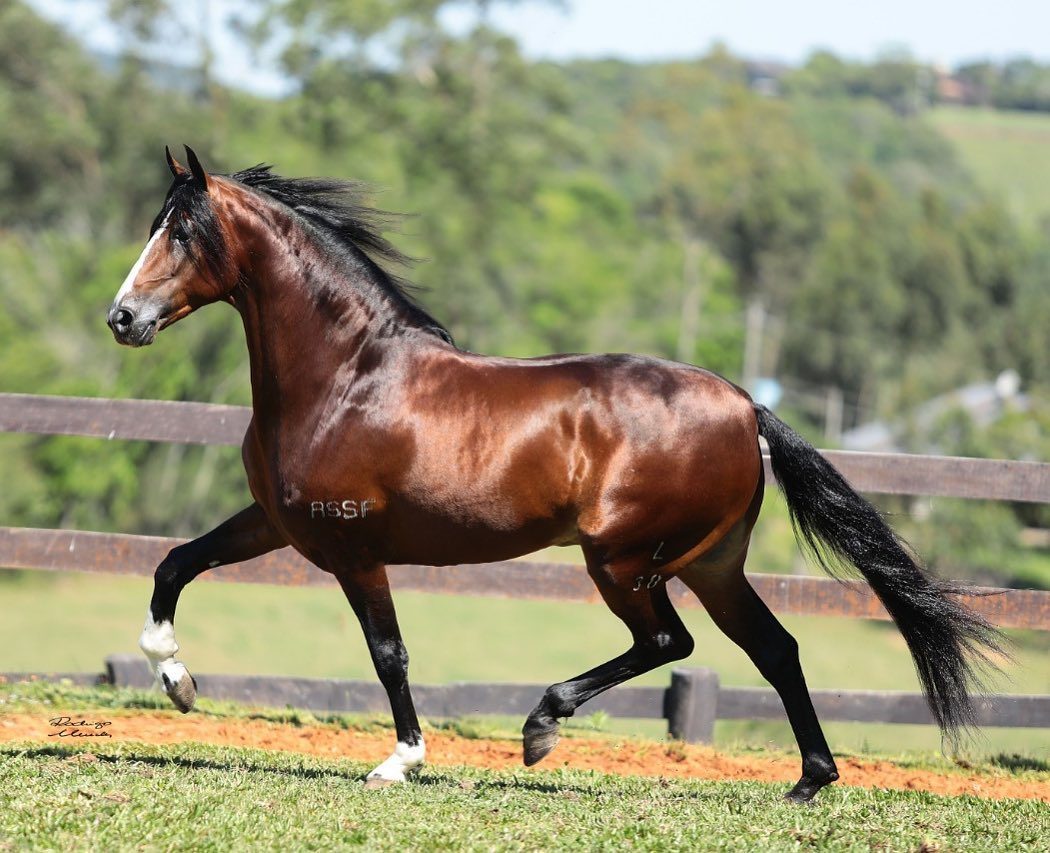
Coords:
pixel 638 447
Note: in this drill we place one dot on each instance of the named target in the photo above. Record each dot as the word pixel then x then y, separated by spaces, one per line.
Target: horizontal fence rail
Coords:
pixel 142 420
pixel 691 704
pixel 112 553
pixel 209 423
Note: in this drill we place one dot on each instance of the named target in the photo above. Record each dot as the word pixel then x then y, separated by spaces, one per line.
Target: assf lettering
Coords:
pixel 347 509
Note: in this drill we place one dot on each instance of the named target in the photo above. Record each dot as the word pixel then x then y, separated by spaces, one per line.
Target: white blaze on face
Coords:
pixel 405 758
pixel 129 282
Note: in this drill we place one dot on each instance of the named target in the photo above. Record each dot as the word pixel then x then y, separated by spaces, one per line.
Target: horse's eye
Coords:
pixel 179 235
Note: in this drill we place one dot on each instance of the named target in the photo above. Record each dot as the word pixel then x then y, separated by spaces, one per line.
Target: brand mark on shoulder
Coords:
pixel 345 509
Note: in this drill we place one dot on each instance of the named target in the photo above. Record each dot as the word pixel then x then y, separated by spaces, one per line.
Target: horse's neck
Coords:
pixel 304 333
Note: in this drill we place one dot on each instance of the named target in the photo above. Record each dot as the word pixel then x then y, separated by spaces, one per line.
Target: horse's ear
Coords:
pixel 200 177
pixel 177 169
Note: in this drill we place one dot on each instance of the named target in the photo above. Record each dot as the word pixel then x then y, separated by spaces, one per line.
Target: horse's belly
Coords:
pixel 437 540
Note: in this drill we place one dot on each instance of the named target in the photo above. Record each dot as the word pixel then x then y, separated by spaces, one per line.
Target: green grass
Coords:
pixel 1007 152
pixel 123 795
pixel 199 797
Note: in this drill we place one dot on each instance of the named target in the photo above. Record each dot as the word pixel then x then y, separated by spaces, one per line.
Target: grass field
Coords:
pixel 124 795
pixel 70 622
pixel 1007 152
pixel 210 798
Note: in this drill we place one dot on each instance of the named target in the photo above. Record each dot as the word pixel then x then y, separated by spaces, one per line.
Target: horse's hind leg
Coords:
pixel 744 618
pixel 659 638
pixel 247 534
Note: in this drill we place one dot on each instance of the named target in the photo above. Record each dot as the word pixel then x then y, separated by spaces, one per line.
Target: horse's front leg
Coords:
pixel 247 534
pixel 368 592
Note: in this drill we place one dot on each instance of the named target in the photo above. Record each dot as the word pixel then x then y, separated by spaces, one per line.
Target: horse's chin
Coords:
pixel 137 338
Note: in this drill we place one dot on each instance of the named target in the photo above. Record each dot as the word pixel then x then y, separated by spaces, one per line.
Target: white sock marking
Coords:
pixel 158 639
pixel 403 759
pixel 158 644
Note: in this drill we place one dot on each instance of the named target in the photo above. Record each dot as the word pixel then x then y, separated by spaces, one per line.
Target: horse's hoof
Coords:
pixel 800 796
pixel 806 789
pixel 537 744
pixel 178 684
pixel 375 782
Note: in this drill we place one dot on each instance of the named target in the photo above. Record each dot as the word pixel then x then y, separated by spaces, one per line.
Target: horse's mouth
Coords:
pixel 148 333
pixel 141 337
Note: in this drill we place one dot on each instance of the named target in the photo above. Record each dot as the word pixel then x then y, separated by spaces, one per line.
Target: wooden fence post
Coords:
pixel 692 705
pixel 124 670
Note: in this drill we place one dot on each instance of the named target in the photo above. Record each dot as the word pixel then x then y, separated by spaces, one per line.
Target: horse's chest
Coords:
pixel 311 495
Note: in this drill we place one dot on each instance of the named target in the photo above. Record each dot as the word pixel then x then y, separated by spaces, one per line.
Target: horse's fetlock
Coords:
pixel 560 700
pixel 820 768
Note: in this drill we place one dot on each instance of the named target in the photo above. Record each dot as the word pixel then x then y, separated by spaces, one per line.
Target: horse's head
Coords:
pixel 185 263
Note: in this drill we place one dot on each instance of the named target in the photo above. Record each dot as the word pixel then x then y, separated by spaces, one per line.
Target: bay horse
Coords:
pixel 374 440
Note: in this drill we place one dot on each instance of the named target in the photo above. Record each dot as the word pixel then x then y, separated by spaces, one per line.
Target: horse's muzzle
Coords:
pixel 129 329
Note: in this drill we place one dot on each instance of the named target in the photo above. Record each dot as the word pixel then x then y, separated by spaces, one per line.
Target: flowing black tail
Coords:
pixel 949 643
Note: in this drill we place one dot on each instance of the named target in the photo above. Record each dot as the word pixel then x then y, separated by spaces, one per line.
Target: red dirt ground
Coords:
pixel 627 757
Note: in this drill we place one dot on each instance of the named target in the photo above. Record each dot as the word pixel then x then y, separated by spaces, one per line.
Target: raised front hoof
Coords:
pixel 179 685
pixel 806 788
pixel 538 741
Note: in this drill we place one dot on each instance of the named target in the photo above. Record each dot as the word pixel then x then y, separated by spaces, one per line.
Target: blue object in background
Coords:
pixel 767 392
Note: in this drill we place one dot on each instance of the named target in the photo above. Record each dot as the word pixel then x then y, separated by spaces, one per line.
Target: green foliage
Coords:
pixel 79 147
pixel 894 78
pixel 49 142
pixel 1019 84
pixel 982 540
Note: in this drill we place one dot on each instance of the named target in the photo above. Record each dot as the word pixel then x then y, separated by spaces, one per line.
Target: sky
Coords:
pixel 945 31
pixel 940 31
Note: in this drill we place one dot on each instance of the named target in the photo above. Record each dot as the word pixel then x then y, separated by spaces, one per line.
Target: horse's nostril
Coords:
pixel 120 319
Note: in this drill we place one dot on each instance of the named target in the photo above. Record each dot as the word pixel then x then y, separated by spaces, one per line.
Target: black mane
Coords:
pixel 334 208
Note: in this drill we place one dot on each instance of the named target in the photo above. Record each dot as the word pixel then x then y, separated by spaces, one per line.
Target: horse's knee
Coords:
pixel 560 700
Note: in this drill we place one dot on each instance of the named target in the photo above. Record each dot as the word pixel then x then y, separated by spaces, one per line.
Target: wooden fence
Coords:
pixel 693 700
pixel 113 553
pixel 207 423
pixel 690 704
